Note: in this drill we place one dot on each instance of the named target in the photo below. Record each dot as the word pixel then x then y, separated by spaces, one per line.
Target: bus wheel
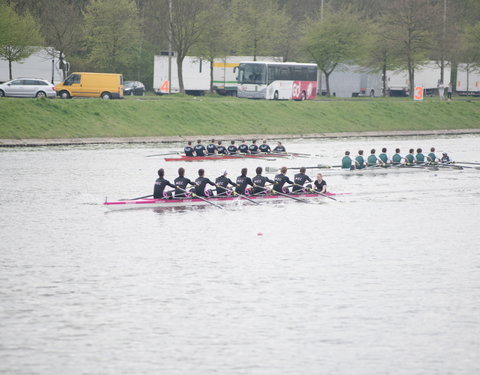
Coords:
pixel 64 95
pixel 106 95
pixel 372 93
pixel 275 95
pixel 304 96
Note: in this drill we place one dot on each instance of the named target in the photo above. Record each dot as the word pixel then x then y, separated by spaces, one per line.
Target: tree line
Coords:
pixel 122 36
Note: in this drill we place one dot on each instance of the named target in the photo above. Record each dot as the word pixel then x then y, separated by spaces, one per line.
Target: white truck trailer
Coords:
pixel 468 80
pixel 196 74
pixel 43 63
pixel 352 80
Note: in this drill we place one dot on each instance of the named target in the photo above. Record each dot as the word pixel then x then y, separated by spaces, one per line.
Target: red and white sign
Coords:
pixel 418 93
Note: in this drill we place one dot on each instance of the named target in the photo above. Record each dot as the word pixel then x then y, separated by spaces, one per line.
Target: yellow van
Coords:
pixel 103 85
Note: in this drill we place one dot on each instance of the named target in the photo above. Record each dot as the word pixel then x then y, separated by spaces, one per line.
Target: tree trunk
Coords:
pixel 211 76
pixel 327 82
pixel 411 77
pixel 384 79
pixel 10 69
pixel 180 73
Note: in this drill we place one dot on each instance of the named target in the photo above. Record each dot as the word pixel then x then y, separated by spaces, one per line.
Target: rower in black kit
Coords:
pixel 221 149
pixel 280 180
pixel 222 182
pixel 264 147
pixel 188 150
pixel 199 148
pixel 253 148
pixel 160 185
pixel 181 184
pixel 242 182
pixel 232 149
pixel 201 183
pixel 211 148
pixel 243 148
pixel 299 179
pixel 259 182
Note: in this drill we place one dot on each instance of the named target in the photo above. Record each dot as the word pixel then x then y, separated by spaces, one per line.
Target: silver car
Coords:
pixel 28 88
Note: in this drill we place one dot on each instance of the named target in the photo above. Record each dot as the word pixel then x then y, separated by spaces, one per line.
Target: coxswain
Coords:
pixel 181 183
pixel 253 148
pixel 211 148
pixel 279 148
pixel 431 157
pixel 243 148
pixel 419 157
pixel 347 161
pixel 397 158
pixel 201 184
pixel 160 185
pixel 242 182
pixel 445 158
pixel 410 158
pixel 199 148
pixel 221 149
pixel 320 184
pixel 372 159
pixel 383 156
pixel 259 182
pixel 299 180
pixel 232 149
pixel 280 180
pixel 360 160
pixel 222 183
pixel 264 147
pixel 188 150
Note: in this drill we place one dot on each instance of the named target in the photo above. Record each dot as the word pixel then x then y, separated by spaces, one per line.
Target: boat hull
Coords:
pixel 225 157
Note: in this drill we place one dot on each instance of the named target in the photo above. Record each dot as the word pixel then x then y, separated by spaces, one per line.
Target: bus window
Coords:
pixel 252 74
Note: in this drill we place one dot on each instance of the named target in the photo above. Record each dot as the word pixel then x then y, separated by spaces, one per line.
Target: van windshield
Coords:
pixel 72 78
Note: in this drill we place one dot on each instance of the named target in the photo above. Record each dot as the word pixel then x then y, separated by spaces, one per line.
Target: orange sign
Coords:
pixel 164 87
pixel 418 93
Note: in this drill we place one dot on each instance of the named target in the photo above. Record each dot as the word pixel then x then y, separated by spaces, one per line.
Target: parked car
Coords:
pixel 133 88
pixel 28 88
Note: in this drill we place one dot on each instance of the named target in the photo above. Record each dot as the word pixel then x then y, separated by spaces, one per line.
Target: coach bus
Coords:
pixel 271 80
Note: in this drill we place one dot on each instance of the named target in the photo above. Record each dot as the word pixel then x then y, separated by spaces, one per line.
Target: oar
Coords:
pixel 240 195
pixel 199 197
pixel 134 199
pixel 319 166
pixel 465 162
pixel 285 195
pixel 168 153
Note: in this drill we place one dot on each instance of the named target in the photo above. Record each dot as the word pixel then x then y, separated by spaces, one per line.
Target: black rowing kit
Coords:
pixel 199 150
pixel 279 149
pixel 265 148
pixel 280 180
pixel 221 150
pixel 259 182
pixel 160 185
pixel 243 148
pixel 242 182
pixel 188 151
pixel 232 149
pixel 201 184
pixel 319 185
pixel 253 149
pixel 180 185
pixel 222 182
pixel 211 148
pixel 300 179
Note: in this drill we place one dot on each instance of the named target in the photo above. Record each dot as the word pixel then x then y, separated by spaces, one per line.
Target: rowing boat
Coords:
pixel 224 157
pixel 187 202
pixel 386 170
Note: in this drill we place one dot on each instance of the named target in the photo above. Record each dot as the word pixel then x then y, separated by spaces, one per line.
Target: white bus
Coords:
pixel 271 80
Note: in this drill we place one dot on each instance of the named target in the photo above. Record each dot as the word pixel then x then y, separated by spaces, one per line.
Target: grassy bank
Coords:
pixel 33 118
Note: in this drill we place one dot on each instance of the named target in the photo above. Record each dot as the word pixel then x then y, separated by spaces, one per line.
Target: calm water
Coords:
pixel 384 281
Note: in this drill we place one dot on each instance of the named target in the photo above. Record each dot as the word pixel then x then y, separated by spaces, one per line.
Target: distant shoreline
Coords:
pixel 178 139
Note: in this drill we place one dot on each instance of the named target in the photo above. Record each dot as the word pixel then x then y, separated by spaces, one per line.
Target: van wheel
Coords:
pixel 64 95
pixel 106 95
pixel 372 93
pixel 275 95
pixel 41 94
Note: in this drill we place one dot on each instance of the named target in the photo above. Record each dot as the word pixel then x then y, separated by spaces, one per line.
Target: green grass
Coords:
pixel 212 115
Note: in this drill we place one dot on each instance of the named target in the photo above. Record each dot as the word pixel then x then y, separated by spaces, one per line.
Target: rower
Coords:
pixel 410 158
pixel 201 183
pixel 372 160
pixel 259 182
pixel 160 185
pixel 242 182
pixel 419 157
pixel 199 148
pixel 211 148
pixel 264 147
pixel 397 158
pixel 181 183
pixel 431 157
pixel 232 149
pixel 360 160
pixel 299 180
pixel 243 148
pixel 320 184
pixel 347 161
pixel 221 149
pixel 253 148
pixel 222 182
pixel 445 158
pixel 279 148
pixel 188 150
pixel 280 180
pixel 383 156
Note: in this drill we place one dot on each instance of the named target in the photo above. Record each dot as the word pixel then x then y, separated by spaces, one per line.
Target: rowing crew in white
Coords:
pixel 243 185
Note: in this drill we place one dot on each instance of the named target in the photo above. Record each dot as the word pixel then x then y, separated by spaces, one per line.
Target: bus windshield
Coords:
pixel 252 74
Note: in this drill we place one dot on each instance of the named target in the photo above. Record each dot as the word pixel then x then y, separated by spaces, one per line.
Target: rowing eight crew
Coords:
pixel 243 185
pixel 411 158
pixel 219 149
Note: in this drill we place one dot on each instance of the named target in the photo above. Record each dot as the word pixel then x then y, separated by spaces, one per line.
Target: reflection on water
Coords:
pixel 384 280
